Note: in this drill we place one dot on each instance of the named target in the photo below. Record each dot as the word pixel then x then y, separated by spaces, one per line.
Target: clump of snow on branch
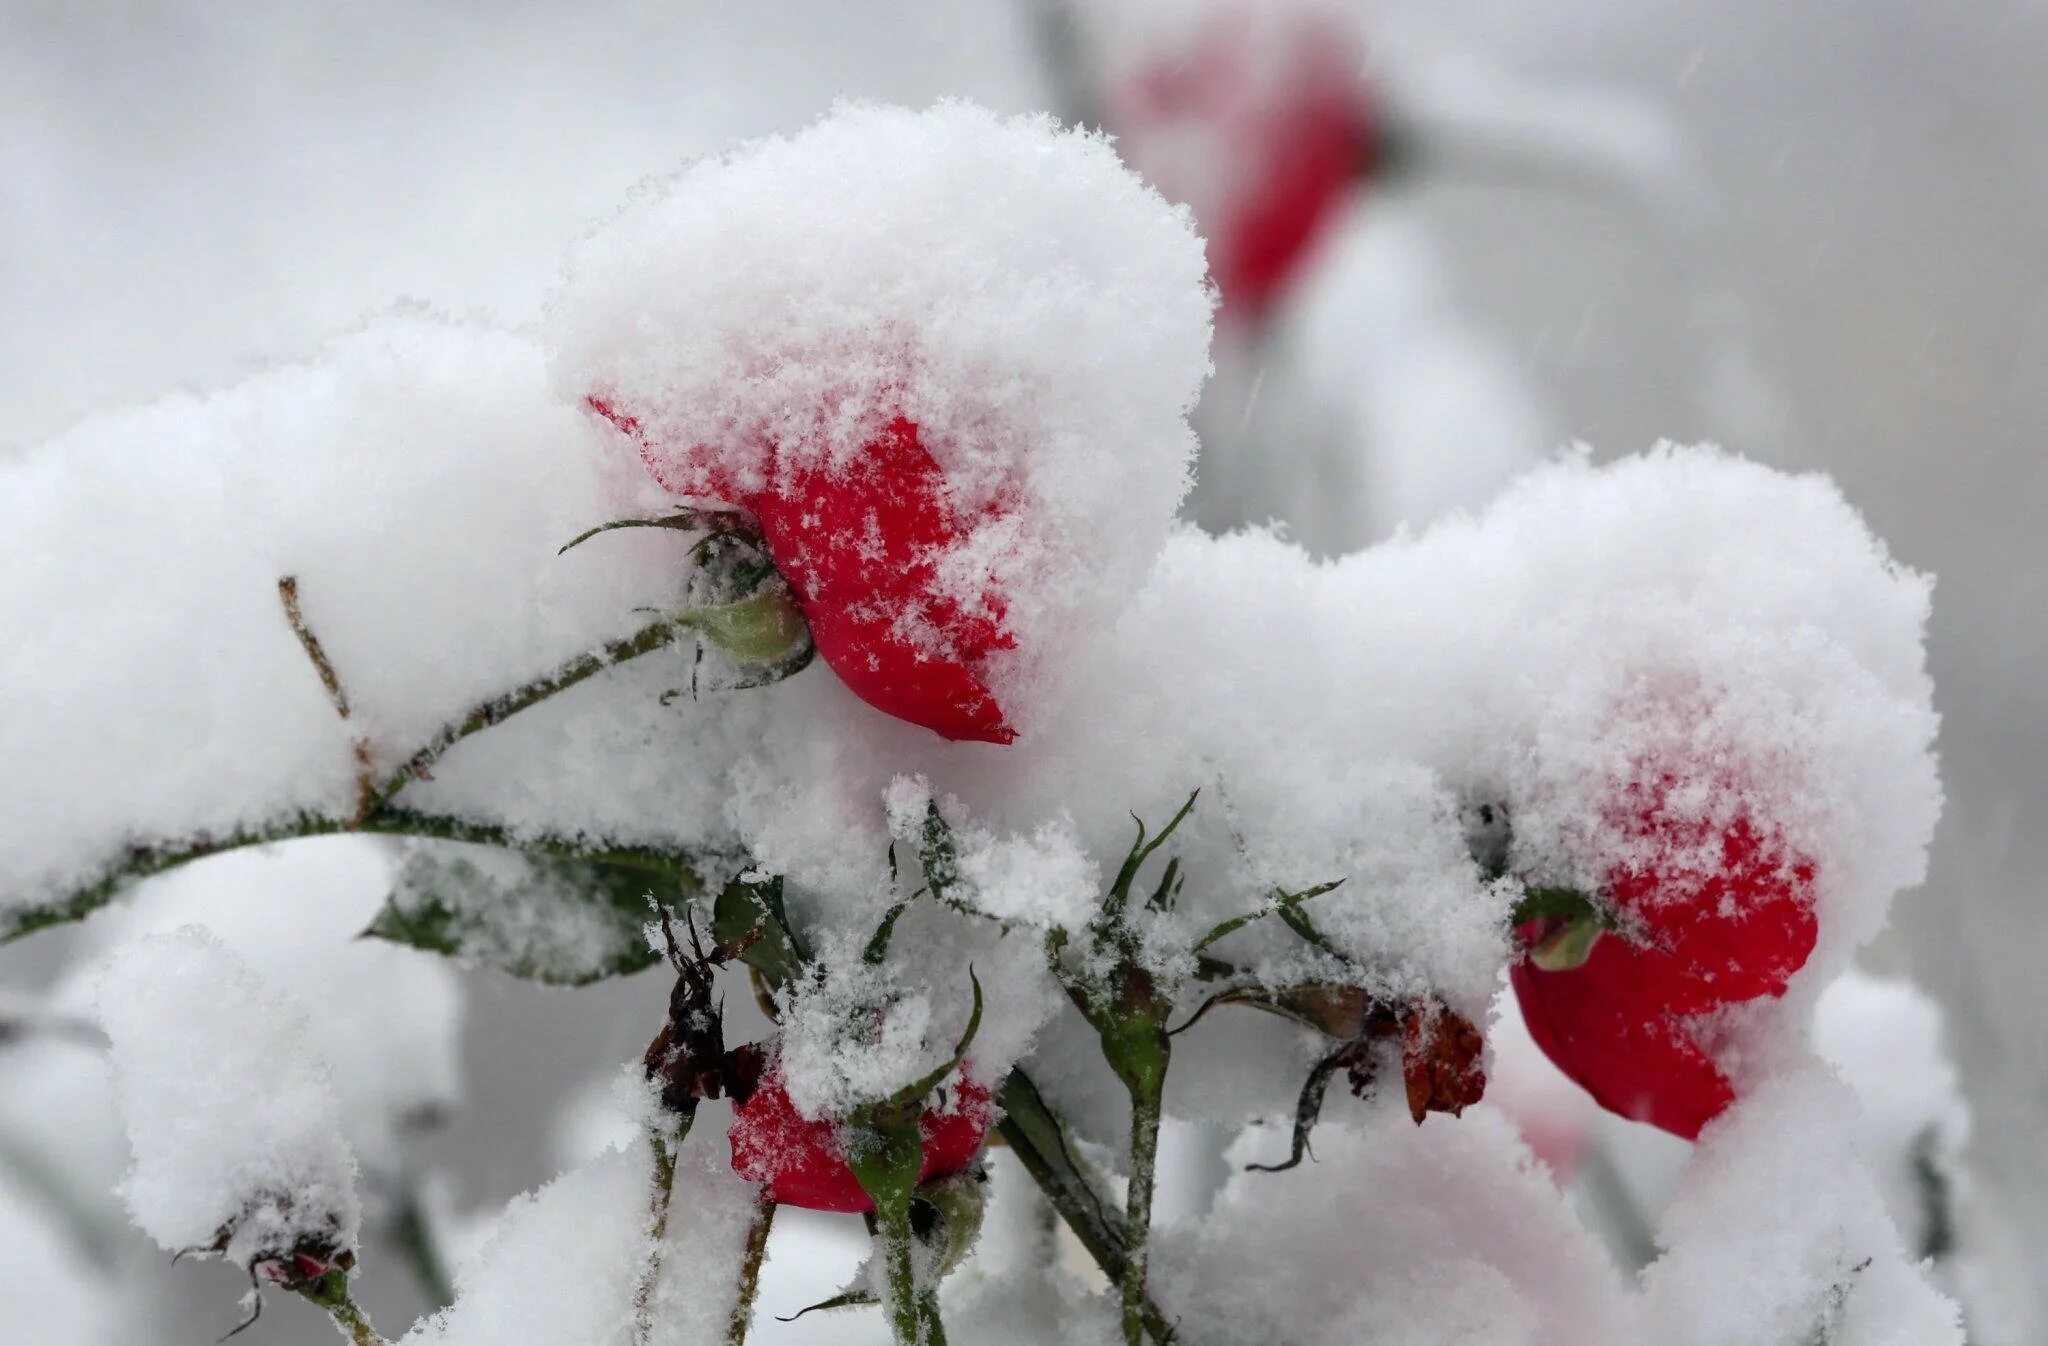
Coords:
pixel 293 914
pixel 231 1115
pixel 417 477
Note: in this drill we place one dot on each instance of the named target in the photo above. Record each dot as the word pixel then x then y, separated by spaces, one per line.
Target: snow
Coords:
pixel 1441 1233
pixel 1042 317
pixel 293 914
pixel 231 1116
pixel 416 478
pixel 1885 1038
pixel 564 1263
pixel 1775 1204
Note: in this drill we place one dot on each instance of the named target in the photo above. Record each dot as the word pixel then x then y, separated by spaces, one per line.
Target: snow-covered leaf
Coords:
pixel 556 919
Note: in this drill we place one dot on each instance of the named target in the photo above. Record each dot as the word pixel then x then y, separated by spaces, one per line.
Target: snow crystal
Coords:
pixel 231 1116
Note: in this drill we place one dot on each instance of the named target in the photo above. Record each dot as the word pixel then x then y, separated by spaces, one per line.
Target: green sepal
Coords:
pixel 1568 946
pixel 762 628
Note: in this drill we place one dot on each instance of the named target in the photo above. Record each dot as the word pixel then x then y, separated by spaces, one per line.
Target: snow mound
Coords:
pixel 231 1116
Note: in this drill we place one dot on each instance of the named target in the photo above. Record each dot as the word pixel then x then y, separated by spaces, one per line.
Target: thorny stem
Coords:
pixel 1037 1136
pixel 498 709
pixel 660 1194
pixel 330 1293
pixel 750 1272
pixel 1145 1110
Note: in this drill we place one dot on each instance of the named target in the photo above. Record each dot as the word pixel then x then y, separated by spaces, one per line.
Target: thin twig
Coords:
pixel 498 709
pixel 288 594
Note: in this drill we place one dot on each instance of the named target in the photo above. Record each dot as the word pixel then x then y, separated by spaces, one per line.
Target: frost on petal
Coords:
pixel 231 1115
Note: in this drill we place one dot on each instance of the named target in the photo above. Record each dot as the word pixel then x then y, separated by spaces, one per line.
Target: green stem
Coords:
pixel 750 1272
pixel 909 1323
pixel 498 709
pixel 330 1293
pixel 661 1193
pixel 1145 1112
pixel 353 1325
pixel 414 1236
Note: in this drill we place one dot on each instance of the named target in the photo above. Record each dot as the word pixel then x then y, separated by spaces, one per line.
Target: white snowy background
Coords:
pixel 1830 258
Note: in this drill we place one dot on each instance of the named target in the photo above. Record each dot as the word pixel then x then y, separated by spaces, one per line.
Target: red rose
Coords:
pixel 1691 939
pixel 1262 129
pixel 803 1161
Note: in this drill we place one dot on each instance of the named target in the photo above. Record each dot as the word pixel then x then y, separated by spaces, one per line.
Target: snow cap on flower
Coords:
pixel 964 343
pixel 231 1116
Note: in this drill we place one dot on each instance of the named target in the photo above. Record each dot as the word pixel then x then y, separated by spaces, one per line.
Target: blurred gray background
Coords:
pixel 188 191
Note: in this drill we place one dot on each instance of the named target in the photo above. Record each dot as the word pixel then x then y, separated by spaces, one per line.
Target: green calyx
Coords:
pixel 762 628
pixel 1568 924
pixel 1567 945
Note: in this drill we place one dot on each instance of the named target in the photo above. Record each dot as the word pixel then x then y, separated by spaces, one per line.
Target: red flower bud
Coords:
pixel 1690 943
pixel 1262 129
pixel 803 1161
pixel 859 543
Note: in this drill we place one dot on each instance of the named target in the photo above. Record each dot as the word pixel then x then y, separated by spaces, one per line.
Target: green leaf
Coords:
pixel 939 855
pixel 749 904
pixel 556 919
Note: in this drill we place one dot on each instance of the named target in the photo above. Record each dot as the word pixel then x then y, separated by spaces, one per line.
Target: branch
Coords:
pixel 660 1193
pixel 1037 1137
pixel 498 709
pixel 750 1272
pixel 288 594
pixel 376 814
